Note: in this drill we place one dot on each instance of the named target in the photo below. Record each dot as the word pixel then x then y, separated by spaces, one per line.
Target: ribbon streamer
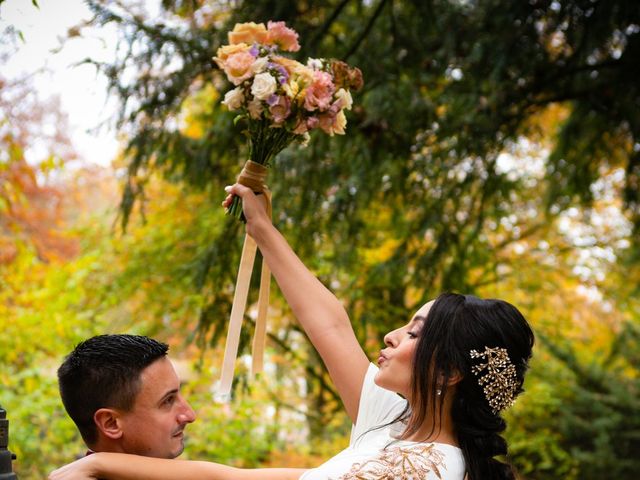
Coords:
pixel 252 175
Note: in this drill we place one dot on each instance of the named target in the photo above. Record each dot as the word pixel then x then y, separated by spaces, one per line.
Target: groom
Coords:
pixel 123 394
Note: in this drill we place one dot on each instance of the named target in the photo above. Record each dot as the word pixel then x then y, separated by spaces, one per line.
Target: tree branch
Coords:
pixel 354 47
pixel 326 25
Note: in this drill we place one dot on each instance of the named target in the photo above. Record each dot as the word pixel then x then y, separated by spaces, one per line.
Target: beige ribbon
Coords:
pixel 253 176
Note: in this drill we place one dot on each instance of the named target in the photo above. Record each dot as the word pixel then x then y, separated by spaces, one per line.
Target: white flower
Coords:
pixel 344 98
pixel 314 63
pixel 259 65
pixel 255 109
pixel 264 85
pixel 234 98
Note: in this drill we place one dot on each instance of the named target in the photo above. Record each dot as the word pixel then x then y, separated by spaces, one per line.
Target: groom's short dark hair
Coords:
pixel 104 372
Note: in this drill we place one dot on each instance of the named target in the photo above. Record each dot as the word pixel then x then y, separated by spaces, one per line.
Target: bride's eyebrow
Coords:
pixel 418 318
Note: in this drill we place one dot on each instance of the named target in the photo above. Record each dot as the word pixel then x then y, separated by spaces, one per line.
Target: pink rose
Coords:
pixel 286 38
pixel 319 93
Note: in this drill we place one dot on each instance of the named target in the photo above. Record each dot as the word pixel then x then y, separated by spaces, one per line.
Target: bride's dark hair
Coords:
pixel 456 325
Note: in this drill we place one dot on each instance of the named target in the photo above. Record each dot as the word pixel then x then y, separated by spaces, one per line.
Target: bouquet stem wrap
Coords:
pixel 252 175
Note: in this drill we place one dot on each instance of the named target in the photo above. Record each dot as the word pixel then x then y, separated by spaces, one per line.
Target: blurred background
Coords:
pixel 494 150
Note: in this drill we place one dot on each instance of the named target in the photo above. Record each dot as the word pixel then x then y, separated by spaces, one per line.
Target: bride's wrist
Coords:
pixel 258 227
pixel 97 464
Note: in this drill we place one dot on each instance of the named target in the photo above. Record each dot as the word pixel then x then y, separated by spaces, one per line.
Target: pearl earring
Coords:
pixel 438 392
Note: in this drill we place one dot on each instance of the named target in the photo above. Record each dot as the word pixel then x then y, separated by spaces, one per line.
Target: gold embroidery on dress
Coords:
pixel 406 463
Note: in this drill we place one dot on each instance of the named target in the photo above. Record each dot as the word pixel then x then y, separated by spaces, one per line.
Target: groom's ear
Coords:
pixel 108 422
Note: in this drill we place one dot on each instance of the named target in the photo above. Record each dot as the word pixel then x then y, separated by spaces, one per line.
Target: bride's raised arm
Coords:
pixel 320 313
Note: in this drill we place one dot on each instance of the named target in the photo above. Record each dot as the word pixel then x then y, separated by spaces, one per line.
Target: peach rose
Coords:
pixel 248 33
pixel 225 52
pixel 238 67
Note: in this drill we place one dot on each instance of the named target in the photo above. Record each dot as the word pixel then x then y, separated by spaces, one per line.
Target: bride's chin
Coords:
pixel 380 381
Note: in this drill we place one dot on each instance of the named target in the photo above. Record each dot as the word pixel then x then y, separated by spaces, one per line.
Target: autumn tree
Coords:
pixel 33 145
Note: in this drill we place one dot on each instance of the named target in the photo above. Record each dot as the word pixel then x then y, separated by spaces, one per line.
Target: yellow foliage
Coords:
pixel 193 124
pixel 381 253
pixel 543 125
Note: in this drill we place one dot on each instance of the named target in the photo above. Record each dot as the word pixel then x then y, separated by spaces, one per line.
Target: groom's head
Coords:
pixel 123 394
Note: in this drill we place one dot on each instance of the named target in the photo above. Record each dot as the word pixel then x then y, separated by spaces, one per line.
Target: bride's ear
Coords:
pixel 456 377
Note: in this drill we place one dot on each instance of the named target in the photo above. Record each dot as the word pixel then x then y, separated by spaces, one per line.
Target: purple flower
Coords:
pixel 284 75
pixel 254 51
pixel 272 100
pixel 280 71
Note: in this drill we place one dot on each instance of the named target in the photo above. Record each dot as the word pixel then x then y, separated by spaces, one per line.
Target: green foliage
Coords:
pixel 223 435
pixel 535 445
pixel 599 423
pixel 41 434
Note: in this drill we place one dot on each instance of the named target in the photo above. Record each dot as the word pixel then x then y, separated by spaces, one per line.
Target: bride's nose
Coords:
pixel 391 339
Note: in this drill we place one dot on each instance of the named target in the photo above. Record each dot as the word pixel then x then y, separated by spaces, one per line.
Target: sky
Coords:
pixel 82 92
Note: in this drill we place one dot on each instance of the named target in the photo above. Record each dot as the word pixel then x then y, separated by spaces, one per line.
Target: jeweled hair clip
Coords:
pixel 497 377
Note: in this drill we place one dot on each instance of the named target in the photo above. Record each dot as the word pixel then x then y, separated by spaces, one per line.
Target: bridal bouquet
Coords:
pixel 281 99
